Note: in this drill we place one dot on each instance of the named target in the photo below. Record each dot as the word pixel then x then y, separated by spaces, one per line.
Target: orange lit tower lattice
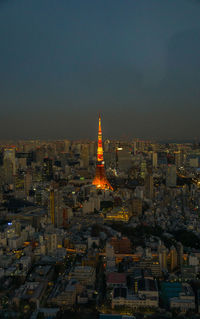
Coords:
pixel 100 179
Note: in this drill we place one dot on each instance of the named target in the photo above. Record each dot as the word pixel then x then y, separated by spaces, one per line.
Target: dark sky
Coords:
pixel 135 61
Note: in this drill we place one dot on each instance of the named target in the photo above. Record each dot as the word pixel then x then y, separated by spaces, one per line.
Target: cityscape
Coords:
pixel 99 159
pixel 121 240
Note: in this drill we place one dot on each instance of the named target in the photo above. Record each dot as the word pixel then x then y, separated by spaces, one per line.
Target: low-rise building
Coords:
pixel 84 274
pixel 115 279
pixel 121 297
pixel 185 301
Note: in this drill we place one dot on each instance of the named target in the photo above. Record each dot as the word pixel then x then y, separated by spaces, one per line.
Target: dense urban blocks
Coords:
pixel 73 245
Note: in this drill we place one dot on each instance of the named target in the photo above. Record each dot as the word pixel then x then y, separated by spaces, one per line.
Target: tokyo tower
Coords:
pixel 100 179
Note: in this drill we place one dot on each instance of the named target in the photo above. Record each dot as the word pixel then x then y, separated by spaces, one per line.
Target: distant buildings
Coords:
pixel 65 242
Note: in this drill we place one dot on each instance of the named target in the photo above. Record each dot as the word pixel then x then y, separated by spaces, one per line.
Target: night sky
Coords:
pixel 64 61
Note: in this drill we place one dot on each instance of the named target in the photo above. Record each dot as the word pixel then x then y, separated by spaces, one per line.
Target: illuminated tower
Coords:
pixel 100 179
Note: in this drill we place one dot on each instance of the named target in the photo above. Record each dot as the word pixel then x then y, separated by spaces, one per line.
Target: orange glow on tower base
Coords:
pixel 100 179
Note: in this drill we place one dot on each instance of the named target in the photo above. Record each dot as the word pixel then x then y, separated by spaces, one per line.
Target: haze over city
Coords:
pixel 137 62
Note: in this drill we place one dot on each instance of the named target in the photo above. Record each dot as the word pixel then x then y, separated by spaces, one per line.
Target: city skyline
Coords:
pixel 89 227
pixel 99 159
pixel 135 62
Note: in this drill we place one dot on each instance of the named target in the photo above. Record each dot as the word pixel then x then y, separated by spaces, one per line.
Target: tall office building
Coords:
pixel 135 147
pixel 149 186
pixel 28 182
pixel 85 155
pixel 92 149
pixel 137 206
pixel 179 158
pixel 7 173
pixel 162 252
pixel 9 155
pixel 154 160
pixel 179 249
pixel 56 207
pixel 143 169
pixel 124 159
pixel 59 207
pixel 100 179
pixel 173 258
pixel 107 146
pixel 110 255
pixel 171 176
pixel 66 146
pixel 47 169
pixel 52 206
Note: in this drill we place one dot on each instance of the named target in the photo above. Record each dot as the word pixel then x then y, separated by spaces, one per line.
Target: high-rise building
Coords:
pixel 52 206
pixel 171 176
pixel 107 146
pixel 179 158
pixel 137 206
pixel 110 159
pixel 27 182
pixel 9 155
pixel 154 160
pixel 173 258
pixel 92 149
pixel 7 176
pixel 124 159
pixel 67 215
pixel 47 169
pixel 110 255
pixel 85 155
pixel 179 249
pixel 135 147
pixel 143 169
pixel 194 162
pixel 66 146
pixel 149 187
pixel 100 179
pixel 57 207
pixel 162 251
pixel 52 241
